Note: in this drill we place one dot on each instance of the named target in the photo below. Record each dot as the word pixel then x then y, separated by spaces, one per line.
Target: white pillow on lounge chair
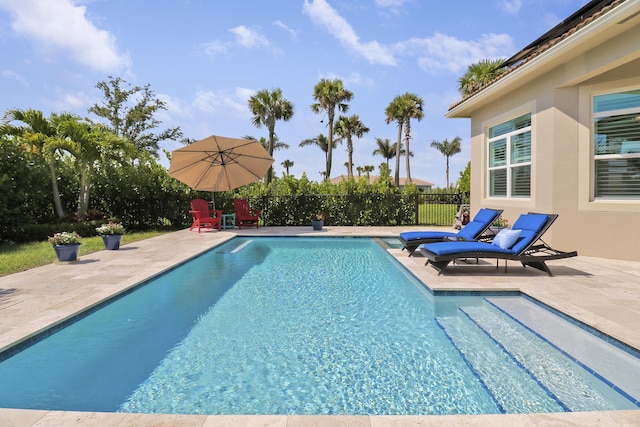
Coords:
pixel 506 238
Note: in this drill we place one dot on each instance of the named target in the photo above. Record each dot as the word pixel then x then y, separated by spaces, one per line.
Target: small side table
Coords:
pixel 228 221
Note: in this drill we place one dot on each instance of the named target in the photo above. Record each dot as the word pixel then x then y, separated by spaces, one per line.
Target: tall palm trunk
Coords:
pixel 330 114
pixel 447 171
pixel 397 171
pixel 85 186
pixel 272 134
pixel 407 134
pixel 57 203
pixel 350 153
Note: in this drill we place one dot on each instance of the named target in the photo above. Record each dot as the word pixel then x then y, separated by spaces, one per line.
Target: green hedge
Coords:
pixel 142 196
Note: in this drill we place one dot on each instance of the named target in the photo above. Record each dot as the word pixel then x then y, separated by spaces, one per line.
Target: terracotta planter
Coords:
pixel 67 253
pixel 112 241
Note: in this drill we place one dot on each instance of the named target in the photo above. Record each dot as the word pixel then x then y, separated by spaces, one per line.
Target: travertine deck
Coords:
pixel 601 293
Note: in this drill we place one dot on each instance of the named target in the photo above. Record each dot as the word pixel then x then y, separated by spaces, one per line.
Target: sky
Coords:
pixel 205 58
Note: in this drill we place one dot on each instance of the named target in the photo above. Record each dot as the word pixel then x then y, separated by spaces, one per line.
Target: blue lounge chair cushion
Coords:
pixel 528 224
pixel 506 238
pixel 485 216
pixel 469 232
pixel 448 248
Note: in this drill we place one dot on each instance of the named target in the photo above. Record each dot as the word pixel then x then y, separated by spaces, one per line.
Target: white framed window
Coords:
pixel 616 145
pixel 509 162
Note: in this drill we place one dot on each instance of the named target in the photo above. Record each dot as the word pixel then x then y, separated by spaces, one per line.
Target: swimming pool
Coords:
pixel 305 326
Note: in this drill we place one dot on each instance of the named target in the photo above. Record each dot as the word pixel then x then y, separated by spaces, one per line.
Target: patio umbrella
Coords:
pixel 218 163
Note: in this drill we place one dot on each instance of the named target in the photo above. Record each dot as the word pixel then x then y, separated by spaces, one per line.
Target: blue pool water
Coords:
pixel 315 326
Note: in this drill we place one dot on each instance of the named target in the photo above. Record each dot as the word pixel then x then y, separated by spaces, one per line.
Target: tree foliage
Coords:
pixel 267 107
pixel 464 181
pixel 346 128
pixel 330 96
pixel 40 135
pixel 131 113
pixel 448 149
pixel 478 75
pixel 402 109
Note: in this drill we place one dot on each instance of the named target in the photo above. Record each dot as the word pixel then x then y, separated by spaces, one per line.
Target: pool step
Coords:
pixel 600 359
pixel 573 387
pixel 511 386
pixel 236 249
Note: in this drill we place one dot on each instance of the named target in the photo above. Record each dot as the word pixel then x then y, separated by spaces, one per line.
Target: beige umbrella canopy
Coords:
pixel 218 163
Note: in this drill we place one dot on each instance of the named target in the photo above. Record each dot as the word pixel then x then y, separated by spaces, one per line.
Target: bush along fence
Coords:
pixel 360 210
pixel 433 209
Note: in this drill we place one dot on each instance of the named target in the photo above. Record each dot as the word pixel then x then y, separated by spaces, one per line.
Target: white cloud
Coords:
pixel 446 53
pixel 13 75
pixel 244 37
pixel 215 48
pixel 60 24
pixel 74 101
pixel 223 103
pixel 510 6
pixel 323 15
pixel 249 38
pixel 292 32
pixel 394 6
pixel 353 79
pixel 390 3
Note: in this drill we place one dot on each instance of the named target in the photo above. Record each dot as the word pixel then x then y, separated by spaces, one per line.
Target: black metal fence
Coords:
pixel 360 210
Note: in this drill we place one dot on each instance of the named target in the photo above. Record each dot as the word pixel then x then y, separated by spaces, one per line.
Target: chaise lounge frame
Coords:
pixel 534 255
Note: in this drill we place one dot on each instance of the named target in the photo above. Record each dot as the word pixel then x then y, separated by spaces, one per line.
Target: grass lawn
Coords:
pixel 20 257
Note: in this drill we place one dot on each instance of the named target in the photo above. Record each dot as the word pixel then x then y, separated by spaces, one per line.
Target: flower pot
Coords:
pixel 317 224
pixel 67 253
pixel 112 241
pixel 495 229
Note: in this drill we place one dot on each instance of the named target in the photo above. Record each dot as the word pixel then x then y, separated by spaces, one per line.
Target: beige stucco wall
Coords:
pixel 559 99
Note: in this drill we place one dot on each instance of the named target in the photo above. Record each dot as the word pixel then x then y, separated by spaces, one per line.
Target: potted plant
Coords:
pixel 66 245
pixel 317 221
pixel 498 224
pixel 111 234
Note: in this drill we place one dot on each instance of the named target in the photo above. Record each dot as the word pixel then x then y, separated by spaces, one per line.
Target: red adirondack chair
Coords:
pixel 245 216
pixel 203 217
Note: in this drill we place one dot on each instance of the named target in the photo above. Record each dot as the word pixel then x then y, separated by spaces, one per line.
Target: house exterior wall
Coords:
pixel 559 99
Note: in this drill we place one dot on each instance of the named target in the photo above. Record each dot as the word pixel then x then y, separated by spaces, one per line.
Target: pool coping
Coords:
pixel 39 298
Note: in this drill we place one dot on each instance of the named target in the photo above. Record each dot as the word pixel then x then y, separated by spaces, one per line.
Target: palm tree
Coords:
pixel 346 128
pixel 448 149
pixel 330 94
pixel 385 149
pixel 478 75
pixel 320 141
pixel 41 135
pixel 395 112
pixel 346 165
pixel 89 143
pixel 368 169
pixel 286 165
pixel 402 109
pixel 267 107
pixel 277 144
pixel 412 110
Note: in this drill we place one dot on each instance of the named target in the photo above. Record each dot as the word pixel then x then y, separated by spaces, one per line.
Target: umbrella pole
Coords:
pixel 213 200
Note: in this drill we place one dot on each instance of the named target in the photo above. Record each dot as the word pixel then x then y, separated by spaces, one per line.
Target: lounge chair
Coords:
pixel 522 243
pixel 245 216
pixel 471 231
pixel 203 217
